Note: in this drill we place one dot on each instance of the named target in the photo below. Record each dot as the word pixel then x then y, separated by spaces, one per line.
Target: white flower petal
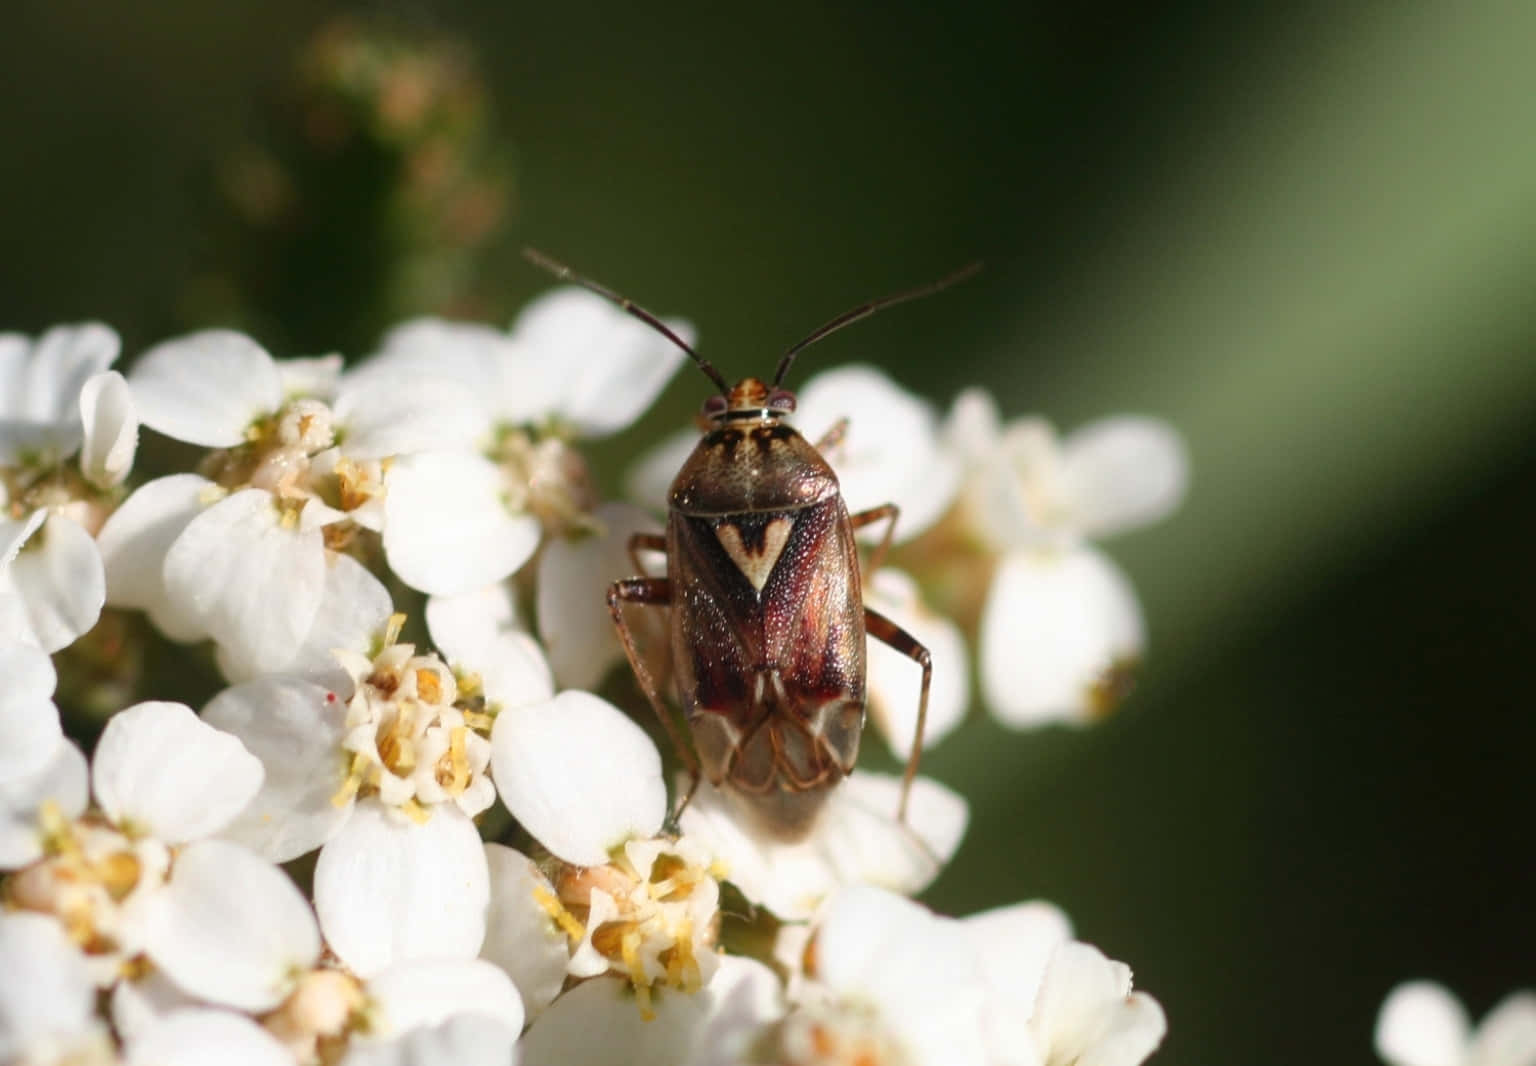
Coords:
pixel 64 782
pixel 446 527
pixel 381 418
pixel 134 543
pixel 29 722
pixel 194 1037
pixel 1507 1035
pixel 42 379
pixel 895 681
pixel 917 970
pixel 1135 1029
pixel 230 928
pixel 579 775
pixel 478 631
pixel 161 770
pixel 1123 472
pixel 973 427
pixel 465 624
pixel 1013 945
pixel 890 452
pixel 354 608
pixel 59 578
pixel 856 841
pixel 430 991
pixel 40 387
pixel 1085 1011
pixel 254 582
pixel 206 388
pixel 56 997
pixel 581 358
pixel 138 1003
pixel 388 890
pixel 574 575
pixel 1422 1024
pixel 599 1021
pixel 111 429
pixel 295 728
pixel 1056 625
pixel 469 354
pixel 313 376
pixel 520 936
pixel 463 1040
pixel 649 481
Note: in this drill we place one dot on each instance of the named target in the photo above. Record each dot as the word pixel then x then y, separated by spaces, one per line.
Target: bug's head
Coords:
pixel 749 400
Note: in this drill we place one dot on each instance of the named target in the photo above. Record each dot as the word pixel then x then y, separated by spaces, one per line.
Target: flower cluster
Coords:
pixel 398 568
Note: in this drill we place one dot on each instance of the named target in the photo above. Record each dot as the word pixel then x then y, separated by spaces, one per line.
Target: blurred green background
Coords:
pixel 1305 233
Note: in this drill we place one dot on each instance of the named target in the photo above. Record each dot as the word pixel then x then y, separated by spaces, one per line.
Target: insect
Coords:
pixel 768 621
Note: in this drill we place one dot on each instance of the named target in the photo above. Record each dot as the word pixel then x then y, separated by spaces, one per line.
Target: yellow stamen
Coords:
pixel 415 812
pixel 558 914
pixel 354 780
pixel 429 687
pixel 629 950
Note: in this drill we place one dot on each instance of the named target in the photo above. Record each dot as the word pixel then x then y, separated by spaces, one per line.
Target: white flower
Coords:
pixel 1014 944
pixel 586 782
pixel 57 400
pixel 1085 1013
pixel 890 982
pixel 573 367
pixel 1422 1024
pixel 241 556
pixel 596 1022
pixel 857 840
pixel 161 778
pixel 1061 627
pixel 41 423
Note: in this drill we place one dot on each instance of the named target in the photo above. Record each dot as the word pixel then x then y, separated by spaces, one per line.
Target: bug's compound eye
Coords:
pixel 781 400
pixel 714 407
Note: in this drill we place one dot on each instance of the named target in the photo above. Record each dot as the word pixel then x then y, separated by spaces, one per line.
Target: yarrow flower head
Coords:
pixel 144 891
pixel 1061 630
pixel 68 434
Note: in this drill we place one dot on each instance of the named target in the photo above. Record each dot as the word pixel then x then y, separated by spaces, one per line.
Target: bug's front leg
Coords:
pixel 887 513
pixel 892 635
pixel 650 592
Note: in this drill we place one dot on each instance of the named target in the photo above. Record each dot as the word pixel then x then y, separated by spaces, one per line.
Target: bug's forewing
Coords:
pixel 771 679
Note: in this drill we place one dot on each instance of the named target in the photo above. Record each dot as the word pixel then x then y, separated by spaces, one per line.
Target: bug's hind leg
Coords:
pixel 891 634
pixel 651 592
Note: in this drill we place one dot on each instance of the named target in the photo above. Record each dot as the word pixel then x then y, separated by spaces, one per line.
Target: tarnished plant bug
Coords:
pixel 768 621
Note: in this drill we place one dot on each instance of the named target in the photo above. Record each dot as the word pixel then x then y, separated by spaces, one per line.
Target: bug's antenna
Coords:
pixel 849 317
pixel 565 273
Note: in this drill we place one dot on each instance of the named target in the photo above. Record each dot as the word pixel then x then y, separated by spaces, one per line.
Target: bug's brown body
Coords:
pixel 767 625
pixel 768 621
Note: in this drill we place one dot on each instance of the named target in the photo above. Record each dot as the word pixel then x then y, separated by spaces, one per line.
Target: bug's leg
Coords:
pixel 886 513
pixel 651 592
pixel 833 436
pixel 889 633
pixel 638 542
